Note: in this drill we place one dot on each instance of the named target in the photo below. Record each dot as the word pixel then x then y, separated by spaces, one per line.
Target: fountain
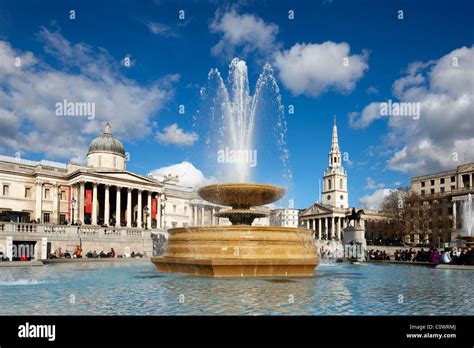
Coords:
pixel 468 222
pixel 240 250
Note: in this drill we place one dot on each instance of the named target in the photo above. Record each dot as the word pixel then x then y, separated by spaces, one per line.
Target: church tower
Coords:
pixel 335 177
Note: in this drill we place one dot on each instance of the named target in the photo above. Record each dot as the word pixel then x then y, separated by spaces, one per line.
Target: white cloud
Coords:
pixel 161 29
pixel 372 90
pixel 176 136
pixel 362 120
pixel 443 137
pixel 243 31
pixel 372 184
pixel 29 93
pixel 313 69
pixel 188 175
pixel 374 200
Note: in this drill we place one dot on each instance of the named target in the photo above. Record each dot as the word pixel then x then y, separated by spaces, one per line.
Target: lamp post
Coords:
pixel 145 210
pixel 73 206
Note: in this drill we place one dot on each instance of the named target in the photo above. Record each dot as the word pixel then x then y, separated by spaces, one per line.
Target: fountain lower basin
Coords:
pixel 240 250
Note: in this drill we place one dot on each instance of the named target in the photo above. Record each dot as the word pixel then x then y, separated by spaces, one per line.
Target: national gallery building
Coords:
pixel 102 199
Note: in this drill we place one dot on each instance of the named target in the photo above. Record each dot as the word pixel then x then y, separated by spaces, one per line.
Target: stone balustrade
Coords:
pixel 69 230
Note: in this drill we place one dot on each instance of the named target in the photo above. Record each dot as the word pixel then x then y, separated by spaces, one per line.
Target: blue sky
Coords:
pixel 389 58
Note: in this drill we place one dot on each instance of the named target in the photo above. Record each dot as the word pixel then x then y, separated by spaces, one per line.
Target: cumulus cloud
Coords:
pixel 374 200
pixel 313 69
pixel 444 135
pixel 243 31
pixel 187 173
pixel 176 136
pixel 29 94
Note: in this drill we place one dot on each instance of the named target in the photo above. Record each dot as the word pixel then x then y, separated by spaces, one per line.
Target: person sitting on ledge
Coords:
pixel 102 254
pixel 445 256
pixel 435 257
pixel 78 252
pixel 111 253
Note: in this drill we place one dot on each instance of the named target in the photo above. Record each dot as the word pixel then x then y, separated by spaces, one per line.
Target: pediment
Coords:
pixel 315 209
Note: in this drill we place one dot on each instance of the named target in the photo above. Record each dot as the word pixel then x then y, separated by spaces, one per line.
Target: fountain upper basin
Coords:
pixel 241 195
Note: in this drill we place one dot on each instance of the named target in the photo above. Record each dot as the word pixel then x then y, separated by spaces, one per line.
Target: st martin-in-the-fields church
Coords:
pixel 327 218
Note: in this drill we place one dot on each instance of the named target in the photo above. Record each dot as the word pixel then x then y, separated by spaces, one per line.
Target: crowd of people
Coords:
pixel 455 256
pixel 378 255
pixel 77 254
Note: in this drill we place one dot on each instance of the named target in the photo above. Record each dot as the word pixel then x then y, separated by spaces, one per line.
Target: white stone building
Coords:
pixel 44 199
pixel 286 217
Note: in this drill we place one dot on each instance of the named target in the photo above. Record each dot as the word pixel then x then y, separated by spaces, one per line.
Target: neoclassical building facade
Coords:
pixel 100 203
pixel 327 218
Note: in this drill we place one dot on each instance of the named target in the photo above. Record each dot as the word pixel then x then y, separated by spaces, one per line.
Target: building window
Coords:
pixel 441 189
pixel 453 179
pixel 62 218
pixel 341 197
pixel 340 184
pixel 329 197
pixel 432 182
pixel 422 184
pixel 329 184
pixel 452 188
pixel 422 192
pixel 5 190
pixel 46 218
pixel 432 191
pixel 441 181
pixel 185 210
pixel 174 224
pixel 46 193
pixel 62 195
pixel 174 208
pixel 27 192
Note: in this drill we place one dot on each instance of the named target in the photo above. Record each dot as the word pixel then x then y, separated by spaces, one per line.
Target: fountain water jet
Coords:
pixel 241 249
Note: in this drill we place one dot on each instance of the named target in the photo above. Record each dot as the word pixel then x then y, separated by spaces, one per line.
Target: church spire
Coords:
pixel 334 153
pixel 334 143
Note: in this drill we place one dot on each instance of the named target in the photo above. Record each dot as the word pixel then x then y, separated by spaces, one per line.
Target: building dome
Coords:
pixel 107 143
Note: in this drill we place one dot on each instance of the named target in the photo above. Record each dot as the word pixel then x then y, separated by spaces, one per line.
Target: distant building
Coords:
pixel 447 193
pixel 286 217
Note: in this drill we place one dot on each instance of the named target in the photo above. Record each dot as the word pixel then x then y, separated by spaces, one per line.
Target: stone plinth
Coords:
pixel 354 242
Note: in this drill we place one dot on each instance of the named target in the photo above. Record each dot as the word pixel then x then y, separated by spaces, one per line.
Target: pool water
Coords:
pixel 135 288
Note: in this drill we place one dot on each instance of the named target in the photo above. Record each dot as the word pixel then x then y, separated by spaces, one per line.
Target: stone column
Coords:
pixel 129 207
pixel 332 227
pixel 55 217
pixel 307 224
pixel 454 215
pixel 81 202
pixel 107 206
pixel 194 215
pixel 118 212
pixel 320 229
pixel 338 228
pixel 202 216
pixel 158 211
pixel 76 208
pixel 94 203
pixel 148 217
pixel 38 200
pixel 140 211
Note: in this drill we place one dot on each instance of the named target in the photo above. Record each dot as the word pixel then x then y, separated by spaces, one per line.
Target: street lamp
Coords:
pixel 146 216
pixel 73 206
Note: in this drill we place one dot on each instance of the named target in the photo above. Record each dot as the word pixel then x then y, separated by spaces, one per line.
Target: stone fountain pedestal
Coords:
pixel 354 242
pixel 240 250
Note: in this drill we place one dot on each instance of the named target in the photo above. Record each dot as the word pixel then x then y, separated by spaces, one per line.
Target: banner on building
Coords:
pixel 89 201
pixel 153 208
